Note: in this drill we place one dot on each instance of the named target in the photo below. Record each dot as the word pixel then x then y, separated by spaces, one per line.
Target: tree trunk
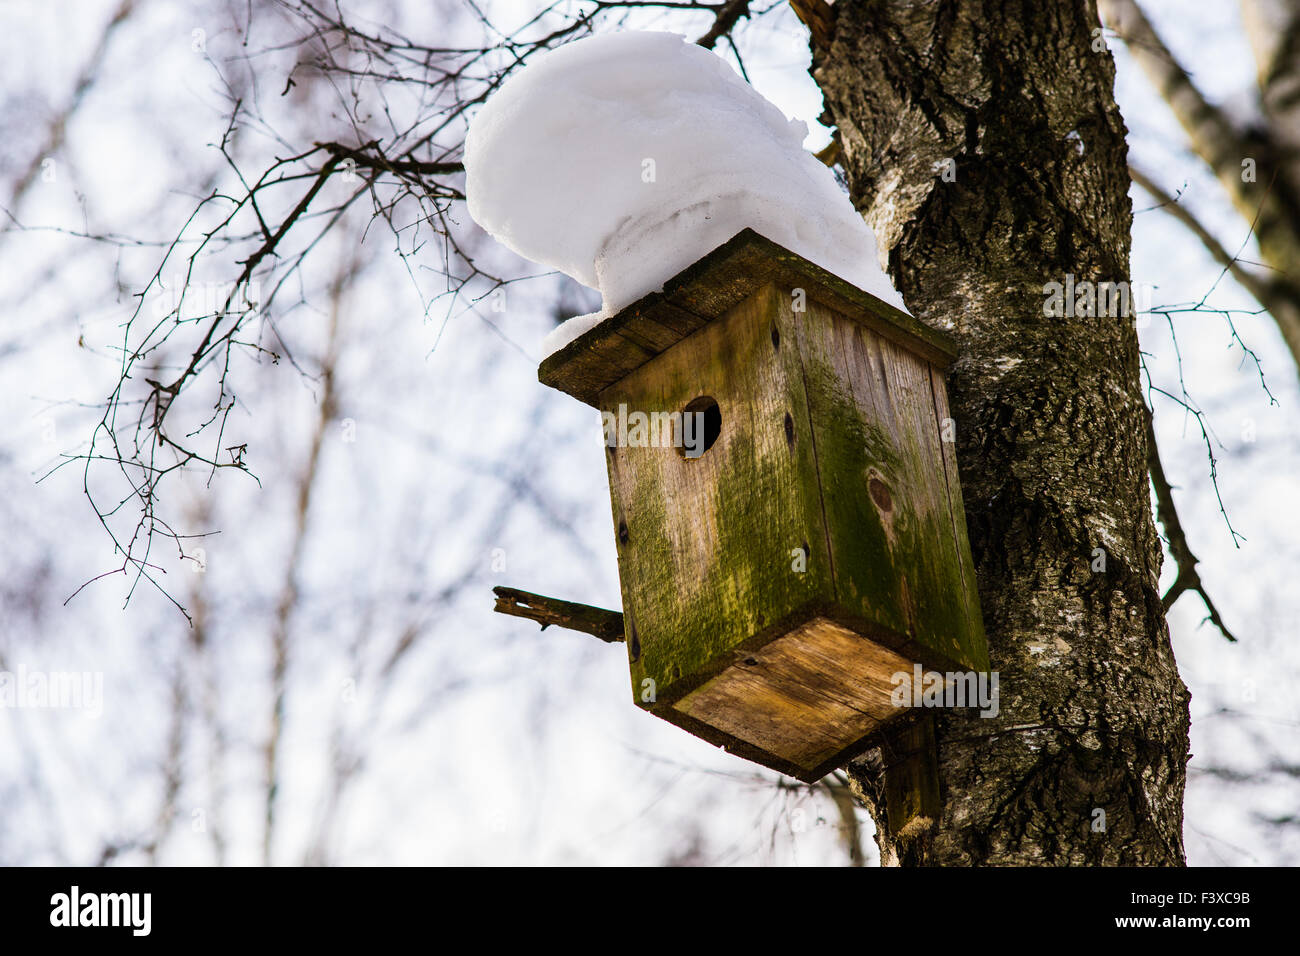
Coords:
pixel 1049 415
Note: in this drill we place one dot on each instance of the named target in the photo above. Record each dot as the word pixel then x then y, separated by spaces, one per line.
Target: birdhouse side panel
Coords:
pixel 717 551
pixel 976 639
pixel 897 536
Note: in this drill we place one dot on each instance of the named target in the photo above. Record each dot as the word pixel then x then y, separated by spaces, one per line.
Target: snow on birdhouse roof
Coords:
pixel 621 159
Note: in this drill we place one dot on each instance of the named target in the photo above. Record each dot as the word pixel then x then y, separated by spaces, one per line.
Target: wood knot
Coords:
pixel 880 494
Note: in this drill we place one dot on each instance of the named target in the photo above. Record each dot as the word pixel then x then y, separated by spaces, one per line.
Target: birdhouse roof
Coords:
pixel 703 292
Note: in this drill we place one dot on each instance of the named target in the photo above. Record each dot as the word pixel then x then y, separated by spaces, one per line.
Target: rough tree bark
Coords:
pixel 1018 95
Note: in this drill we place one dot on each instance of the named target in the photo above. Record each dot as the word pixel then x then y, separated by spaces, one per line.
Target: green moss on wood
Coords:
pixel 705 547
pixel 908 579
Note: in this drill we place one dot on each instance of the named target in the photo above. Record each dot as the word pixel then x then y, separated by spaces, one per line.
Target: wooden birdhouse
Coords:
pixel 774 584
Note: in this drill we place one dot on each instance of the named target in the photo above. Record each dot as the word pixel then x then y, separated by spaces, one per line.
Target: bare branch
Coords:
pixel 727 18
pixel 1188 578
pixel 596 621
pixel 377 160
pixel 1174 206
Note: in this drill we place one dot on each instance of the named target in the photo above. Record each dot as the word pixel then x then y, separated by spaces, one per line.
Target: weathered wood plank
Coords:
pixel 649 334
pixel 945 430
pixel 806 696
pixel 884 487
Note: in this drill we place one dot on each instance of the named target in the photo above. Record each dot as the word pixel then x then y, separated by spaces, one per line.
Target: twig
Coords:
pixel 596 621
pixel 1272 204
pixel 1272 295
pixel 1188 578
pixel 727 17
pixel 372 157
pixel 1174 207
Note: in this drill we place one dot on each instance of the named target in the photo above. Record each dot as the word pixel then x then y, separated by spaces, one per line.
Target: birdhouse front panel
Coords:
pixel 775 583
pixel 716 549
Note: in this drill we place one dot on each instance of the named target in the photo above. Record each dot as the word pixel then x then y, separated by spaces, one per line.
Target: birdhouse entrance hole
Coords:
pixel 702 432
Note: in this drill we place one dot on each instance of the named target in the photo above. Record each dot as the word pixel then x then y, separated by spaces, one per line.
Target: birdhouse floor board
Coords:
pixel 805 698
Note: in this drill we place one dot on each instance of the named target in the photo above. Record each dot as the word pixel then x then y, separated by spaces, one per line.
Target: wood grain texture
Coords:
pixel 911 775
pixel 808 696
pixel 900 555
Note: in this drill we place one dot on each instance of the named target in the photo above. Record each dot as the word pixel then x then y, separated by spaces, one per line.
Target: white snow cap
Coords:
pixel 620 159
